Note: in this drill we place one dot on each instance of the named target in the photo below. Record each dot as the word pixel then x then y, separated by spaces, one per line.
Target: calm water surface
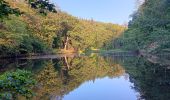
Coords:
pixel 95 77
pixel 118 88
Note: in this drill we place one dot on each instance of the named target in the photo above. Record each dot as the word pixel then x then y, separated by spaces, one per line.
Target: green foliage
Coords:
pixel 14 83
pixel 18 39
pixel 91 34
pixel 149 27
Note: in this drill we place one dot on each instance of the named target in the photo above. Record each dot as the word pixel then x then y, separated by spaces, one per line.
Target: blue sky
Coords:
pixel 113 11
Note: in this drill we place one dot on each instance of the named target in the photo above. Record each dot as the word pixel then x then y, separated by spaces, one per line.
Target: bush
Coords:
pixel 14 83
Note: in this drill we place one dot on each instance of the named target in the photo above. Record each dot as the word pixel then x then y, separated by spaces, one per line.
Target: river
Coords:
pixel 94 77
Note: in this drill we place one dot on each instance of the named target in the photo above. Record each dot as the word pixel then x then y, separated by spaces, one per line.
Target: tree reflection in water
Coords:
pixel 61 76
pixel 151 79
pixel 58 77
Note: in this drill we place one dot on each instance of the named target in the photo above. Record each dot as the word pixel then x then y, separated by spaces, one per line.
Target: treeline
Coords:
pixel 149 29
pixel 41 28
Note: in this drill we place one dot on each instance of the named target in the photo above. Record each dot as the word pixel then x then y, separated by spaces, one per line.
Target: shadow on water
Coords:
pixel 60 77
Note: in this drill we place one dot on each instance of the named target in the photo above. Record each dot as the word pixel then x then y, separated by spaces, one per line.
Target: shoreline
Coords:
pixel 67 54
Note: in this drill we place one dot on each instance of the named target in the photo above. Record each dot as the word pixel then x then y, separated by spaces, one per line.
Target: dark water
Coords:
pixel 94 77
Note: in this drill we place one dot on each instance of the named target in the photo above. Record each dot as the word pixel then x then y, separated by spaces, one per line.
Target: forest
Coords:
pixel 38 27
pixel 149 29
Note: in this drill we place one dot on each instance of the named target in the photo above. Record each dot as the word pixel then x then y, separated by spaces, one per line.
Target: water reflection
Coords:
pixel 117 88
pixel 61 76
pixel 95 77
pixel 151 79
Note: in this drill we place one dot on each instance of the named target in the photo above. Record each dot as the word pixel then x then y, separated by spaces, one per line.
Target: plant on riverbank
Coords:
pixel 16 83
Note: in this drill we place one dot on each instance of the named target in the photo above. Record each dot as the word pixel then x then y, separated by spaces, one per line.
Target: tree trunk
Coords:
pixel 66 43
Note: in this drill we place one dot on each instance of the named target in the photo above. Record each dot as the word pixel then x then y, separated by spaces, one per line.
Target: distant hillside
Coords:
pixel 34 32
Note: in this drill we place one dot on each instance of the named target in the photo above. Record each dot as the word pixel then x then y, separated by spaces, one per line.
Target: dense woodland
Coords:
pixel 149 29
pixel 35 26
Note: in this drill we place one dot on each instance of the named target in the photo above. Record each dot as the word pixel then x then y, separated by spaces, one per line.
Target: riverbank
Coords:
pixel 32 55
pixel 115 52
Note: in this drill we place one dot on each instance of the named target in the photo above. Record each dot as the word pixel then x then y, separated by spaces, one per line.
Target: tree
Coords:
pixel 42 5
pixel 6 10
